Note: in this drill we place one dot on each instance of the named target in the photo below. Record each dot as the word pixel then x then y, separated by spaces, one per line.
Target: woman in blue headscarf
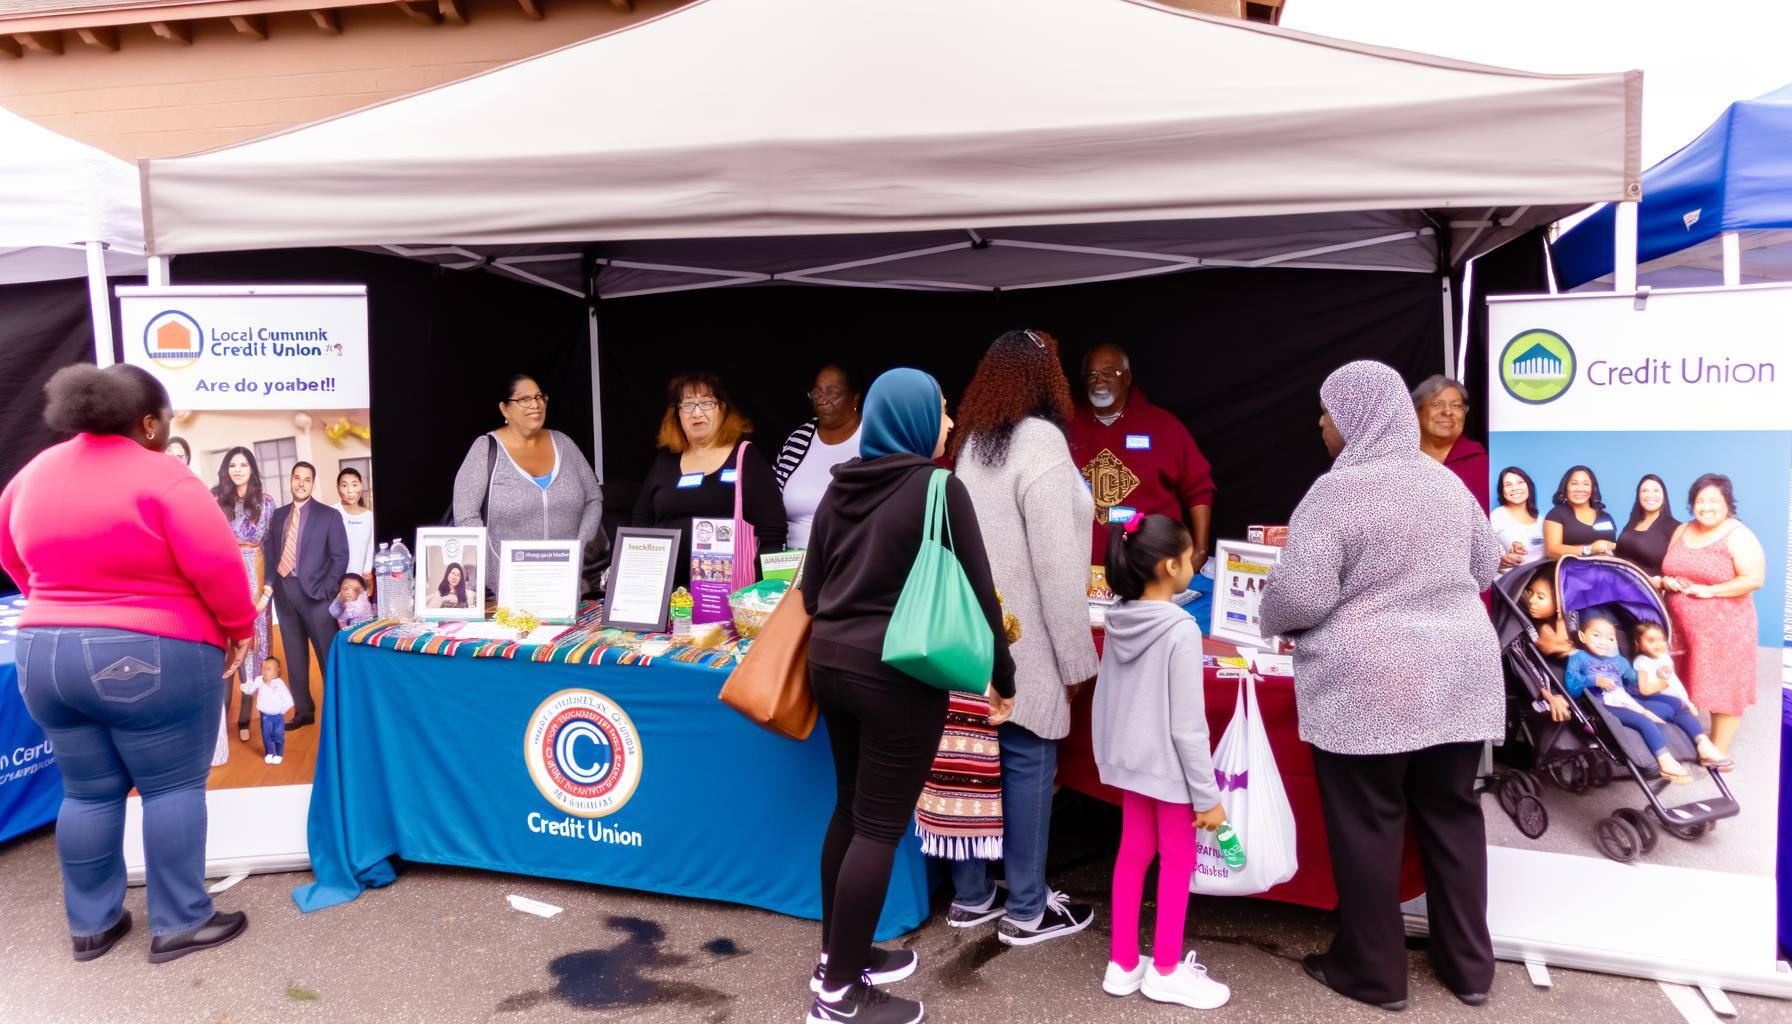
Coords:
pixel 884 725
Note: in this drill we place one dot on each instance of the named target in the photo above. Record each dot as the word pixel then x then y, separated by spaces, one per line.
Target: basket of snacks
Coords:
pixel 753 605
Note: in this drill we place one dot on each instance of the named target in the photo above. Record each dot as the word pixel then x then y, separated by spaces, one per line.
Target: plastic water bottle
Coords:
pixel 382 594
pixel 1230 848
pixel 401 573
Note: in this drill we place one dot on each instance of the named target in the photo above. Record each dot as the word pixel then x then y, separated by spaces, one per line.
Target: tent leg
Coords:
pixel 597 397
pixel 158 271
pixel 1732 259
pixel 1624 251
pixel 1450 366
pixel 99 298
pixel 1467 300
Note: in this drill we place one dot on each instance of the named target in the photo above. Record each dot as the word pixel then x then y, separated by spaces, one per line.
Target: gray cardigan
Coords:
pixel 1379 587
pixel 1150 718
pixel 1034 511
pixel 570 509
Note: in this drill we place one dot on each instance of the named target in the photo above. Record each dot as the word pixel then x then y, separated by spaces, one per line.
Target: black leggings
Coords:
pixel 884 736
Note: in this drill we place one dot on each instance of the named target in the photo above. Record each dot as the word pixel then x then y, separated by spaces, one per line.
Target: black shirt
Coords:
pixel 1577 534
pixel 1648 547
pixel 665 505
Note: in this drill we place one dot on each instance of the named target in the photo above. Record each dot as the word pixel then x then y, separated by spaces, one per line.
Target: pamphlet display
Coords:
pixel 1238 593
pixel 712 569
pixel 781 565
pixel 540 577
pixel 450 580
pixel 641 579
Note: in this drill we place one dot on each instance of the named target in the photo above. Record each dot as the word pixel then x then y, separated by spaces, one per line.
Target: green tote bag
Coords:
pixel 938 632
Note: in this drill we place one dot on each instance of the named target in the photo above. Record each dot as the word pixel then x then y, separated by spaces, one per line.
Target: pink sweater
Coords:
pixel 100 531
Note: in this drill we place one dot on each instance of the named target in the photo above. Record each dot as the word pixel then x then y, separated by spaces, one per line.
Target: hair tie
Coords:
pixel 1131 526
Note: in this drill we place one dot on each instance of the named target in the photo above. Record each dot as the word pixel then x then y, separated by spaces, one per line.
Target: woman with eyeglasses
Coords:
pixel 806 465
pixel 695 476
pixel 1442 406
pixel 524 481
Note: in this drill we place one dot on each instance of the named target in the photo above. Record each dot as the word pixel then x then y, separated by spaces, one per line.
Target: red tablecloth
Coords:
pixel 1312 885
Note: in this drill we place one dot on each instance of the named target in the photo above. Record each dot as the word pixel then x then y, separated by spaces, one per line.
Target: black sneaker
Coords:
pixel 1061 918
pixel 866 1004
pixel 885 967
pixel 965 917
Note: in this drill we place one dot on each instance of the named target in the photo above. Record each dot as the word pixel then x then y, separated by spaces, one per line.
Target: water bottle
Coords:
pixel 382 594
pixel 402 572
pixel 1230 848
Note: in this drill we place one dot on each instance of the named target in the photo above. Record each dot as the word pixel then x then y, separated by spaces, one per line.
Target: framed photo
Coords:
pixel 641 574
pixel 450 573
pixel 1240 572
pixel 540 576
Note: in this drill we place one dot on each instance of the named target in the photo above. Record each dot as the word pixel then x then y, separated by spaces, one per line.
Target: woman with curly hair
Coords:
pixel 1034 512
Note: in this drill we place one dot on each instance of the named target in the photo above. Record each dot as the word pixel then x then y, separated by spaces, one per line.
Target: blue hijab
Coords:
pixel 902 415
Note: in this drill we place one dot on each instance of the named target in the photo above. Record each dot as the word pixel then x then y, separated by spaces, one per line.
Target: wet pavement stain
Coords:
pixel 615 977
pixel 959 967
pixel 722 947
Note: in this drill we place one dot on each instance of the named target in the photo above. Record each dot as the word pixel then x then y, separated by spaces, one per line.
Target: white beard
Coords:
pixel 1101 399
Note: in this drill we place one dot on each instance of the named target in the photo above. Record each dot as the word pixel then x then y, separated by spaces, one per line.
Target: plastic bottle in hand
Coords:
pixel 1230 848
pixel 382 594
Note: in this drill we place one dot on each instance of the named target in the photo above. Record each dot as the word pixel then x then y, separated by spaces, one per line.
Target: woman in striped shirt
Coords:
pixel 805 466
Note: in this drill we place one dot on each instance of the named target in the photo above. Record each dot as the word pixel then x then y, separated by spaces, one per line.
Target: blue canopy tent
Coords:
pixel 1731 186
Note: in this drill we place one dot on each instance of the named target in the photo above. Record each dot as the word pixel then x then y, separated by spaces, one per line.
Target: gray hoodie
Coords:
pixel 1150 724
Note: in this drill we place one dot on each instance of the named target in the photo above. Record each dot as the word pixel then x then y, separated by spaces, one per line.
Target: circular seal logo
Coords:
pixel 173 340
pixel 583 753
pixel 1537 366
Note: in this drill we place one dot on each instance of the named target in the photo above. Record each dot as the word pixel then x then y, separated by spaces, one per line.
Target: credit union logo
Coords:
pixel 583 753
pixel 1537 366
pixel 173 340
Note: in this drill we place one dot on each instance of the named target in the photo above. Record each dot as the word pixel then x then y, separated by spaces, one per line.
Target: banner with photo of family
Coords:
pixel 266 381
pixel 1641 448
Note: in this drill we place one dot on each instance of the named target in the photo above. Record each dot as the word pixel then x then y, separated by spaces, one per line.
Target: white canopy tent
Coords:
pixel 936 144
pixel 67 210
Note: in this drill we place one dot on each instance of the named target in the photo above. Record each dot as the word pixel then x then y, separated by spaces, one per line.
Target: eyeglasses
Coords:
pixel 827 396
pixel 1456 407
pixel 535 399
pixel 700 405
pixel 1110 375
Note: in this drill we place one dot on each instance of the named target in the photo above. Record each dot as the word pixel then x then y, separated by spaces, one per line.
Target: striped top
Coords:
pixel 795 447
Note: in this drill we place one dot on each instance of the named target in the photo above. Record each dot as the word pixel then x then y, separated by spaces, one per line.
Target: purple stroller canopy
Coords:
pixel 1588 584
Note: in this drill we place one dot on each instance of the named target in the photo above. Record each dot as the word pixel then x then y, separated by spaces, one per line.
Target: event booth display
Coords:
pixel 855 145
pixel 1718 211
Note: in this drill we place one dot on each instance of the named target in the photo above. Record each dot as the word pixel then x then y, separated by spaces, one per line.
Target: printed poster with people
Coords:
pixel 270 392
pixel 1640 452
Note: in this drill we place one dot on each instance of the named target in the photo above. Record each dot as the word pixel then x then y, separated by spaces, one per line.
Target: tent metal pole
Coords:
pixel 1450 366
pixel 1624 251
pixel 101 302
pixel 158 271
pixel 1732 259
pixel 597 393
pixel 1468 305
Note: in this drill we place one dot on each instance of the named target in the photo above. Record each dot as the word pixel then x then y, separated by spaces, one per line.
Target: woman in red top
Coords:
pixel 135 590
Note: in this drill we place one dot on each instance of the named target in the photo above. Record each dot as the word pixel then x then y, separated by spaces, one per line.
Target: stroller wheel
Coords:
pixel 1523 782
pixel 1571 774
pixel 1599 769
pixel 1688 832
pixel 1531 817
pixel 1644 827
pixel 1618 839
pixel 1507 791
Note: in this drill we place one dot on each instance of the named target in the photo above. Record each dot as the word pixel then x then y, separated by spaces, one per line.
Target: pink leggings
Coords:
pixel 1152 828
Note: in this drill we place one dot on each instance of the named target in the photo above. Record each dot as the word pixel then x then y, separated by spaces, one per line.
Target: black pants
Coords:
pixel 1366 801
pixel 303 620
pixel 884 736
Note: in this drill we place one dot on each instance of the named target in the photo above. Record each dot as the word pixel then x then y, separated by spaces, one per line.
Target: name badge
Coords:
pixel 690 480
pixel 1121 514
pixel 730 475
pixel 1604 527
pixel 1138 442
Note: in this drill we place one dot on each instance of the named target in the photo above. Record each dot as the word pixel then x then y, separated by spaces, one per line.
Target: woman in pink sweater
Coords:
pixel 135 593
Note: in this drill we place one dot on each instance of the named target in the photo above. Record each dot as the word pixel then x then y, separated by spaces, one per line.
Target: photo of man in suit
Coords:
pixel 306 549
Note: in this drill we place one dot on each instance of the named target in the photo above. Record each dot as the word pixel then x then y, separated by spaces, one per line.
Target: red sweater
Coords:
pixel 100 531
pixel 1145 460
pixel 1468 460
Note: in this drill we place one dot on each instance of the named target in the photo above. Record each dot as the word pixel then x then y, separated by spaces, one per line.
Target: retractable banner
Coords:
pixel 1642 451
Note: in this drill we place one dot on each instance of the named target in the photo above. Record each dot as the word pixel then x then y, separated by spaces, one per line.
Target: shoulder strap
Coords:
pixel 491 467
pixel 740 476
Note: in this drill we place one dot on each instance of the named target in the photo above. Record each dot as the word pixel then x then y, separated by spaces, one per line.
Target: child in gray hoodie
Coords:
pixel 1150 733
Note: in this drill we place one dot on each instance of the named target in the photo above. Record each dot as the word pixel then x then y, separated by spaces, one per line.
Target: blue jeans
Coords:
pixel 122 710
pixel 1670 710
pixel 1029 764
pixel 273 735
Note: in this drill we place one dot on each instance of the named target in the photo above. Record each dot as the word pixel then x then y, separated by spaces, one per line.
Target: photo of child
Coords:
pixel 272 700
pixel 352 605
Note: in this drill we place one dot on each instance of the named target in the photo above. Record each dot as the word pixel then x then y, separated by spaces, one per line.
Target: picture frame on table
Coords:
pixel 450 583
pixel 643 564
pixel 540 577
pixel 1241 570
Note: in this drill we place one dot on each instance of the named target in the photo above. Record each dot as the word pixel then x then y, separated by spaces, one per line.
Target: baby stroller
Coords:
pixel 1592 747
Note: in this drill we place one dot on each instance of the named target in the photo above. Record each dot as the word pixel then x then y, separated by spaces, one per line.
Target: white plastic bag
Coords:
pixel 1256 805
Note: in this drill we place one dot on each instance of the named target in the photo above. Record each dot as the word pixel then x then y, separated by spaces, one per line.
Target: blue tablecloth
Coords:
pixel 30 784
pixel 427 757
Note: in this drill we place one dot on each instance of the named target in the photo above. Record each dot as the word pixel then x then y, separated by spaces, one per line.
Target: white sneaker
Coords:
pixel 279 758
pixel 1187 985
pixel 1117 982
pixel 267 759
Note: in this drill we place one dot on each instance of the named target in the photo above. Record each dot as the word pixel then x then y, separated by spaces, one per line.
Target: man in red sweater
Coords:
pixel 1136 456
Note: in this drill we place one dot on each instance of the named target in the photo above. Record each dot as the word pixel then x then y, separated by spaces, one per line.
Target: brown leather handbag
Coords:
pixel 771 684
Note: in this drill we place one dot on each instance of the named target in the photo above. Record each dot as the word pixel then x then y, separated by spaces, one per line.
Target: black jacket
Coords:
pixel 866 535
